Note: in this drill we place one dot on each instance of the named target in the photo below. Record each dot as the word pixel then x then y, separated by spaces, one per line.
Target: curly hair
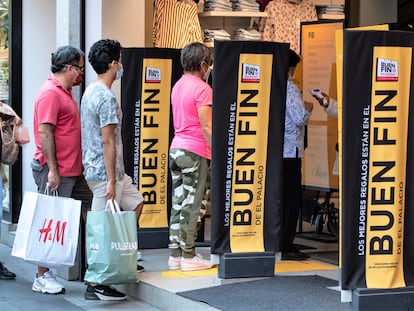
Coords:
pixel 102 53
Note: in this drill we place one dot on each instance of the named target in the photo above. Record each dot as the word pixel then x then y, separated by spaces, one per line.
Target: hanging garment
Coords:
pixel 263 4
pixel 282 23
pixel 175 24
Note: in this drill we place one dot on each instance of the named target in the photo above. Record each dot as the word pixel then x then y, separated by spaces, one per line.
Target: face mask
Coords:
pixel 119 73
pixel 208 72
pixel 78 80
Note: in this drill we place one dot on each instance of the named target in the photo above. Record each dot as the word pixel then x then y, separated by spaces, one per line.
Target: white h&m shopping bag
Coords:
pixel 48 230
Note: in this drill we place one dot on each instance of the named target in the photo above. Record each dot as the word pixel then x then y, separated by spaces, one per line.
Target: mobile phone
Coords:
pixel 318 94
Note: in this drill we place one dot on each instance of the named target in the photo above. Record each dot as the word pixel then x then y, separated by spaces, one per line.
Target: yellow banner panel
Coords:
pixel 389 107
pixel 154 141
pixel 339 42
pixel 250 153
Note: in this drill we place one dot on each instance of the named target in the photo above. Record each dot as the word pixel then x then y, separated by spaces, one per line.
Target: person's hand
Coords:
pixel 17 120
pixel 308 106
pixel 4 179
pixel 324 102
pixel 110 191
pixel 53 180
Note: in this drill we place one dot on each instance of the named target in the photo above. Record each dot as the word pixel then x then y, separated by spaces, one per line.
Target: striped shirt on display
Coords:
pixel 176 24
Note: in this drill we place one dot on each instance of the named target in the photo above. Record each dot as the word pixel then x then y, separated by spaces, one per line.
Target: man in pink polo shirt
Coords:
pixel 57 161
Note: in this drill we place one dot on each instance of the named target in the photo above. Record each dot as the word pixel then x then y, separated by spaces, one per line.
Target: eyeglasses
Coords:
pixel 79 67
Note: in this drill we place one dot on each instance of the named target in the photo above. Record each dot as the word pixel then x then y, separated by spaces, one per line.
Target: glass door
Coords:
pixel 4 92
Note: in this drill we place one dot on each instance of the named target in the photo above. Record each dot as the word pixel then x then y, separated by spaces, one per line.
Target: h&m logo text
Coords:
pixel 52 231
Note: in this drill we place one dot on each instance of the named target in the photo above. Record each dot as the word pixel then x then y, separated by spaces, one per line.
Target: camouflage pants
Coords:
pixel 189 173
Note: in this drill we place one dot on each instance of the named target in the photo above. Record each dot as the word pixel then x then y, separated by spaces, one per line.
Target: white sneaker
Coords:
pixel 195 263
pixel 174 263
pixel 47 284
pixel 140 256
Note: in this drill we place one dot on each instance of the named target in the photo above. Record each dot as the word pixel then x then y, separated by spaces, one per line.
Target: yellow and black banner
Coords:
pixel 249 93
pixel 147 129
pixel 378 201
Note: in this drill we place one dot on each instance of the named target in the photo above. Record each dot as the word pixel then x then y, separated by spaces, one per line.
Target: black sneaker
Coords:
pixel 6 274
pixel 140 268
pixel 298 255
pixel 103 292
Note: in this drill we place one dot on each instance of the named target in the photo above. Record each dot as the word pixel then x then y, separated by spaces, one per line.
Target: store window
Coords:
pixel 4 51
pixel 4 91
pixel 11 93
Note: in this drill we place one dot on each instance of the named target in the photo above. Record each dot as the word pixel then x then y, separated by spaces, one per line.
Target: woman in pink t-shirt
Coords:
pixel 190 152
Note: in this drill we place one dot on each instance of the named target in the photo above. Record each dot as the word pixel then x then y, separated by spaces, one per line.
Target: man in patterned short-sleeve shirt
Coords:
pixel 102 151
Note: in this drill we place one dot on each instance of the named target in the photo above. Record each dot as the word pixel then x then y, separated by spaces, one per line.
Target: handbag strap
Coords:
pixel 113 206
pixel 12 138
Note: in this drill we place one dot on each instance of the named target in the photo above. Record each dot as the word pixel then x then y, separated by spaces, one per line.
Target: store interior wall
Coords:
pixel 385 12
pixel 93 32
pixel 39 39
pixel 125 23
pixel 372 12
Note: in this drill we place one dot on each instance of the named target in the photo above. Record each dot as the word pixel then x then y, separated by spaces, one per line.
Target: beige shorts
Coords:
pixel 127 195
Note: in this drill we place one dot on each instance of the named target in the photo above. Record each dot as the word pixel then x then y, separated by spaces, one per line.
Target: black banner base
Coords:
pixel 153 238
pixel 395 299
pixel 246 265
